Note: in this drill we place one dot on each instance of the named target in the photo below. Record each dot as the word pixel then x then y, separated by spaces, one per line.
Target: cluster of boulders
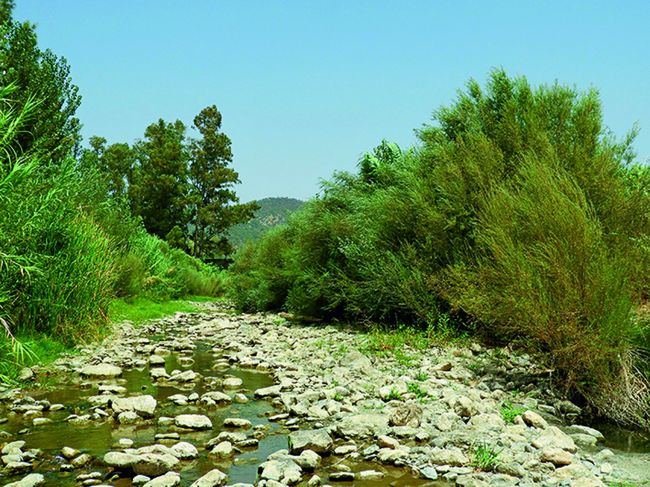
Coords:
pixel 464 415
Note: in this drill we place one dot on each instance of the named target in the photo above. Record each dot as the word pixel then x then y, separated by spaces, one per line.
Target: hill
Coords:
pixel 272 212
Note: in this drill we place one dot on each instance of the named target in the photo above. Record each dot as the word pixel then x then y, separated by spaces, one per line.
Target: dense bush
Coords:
pixel 518 212
pixel 67 249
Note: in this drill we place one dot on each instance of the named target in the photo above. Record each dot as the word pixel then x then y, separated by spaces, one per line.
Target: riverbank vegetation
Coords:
pixel 517 216
pixel 71 238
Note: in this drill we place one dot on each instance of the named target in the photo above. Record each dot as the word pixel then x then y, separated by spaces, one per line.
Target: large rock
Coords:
pixel 406 415
pixel 31 480
pixel 154 464
pixel 451 456
pixel 184 450
pixel 356 360
pixel 144 406
pixel 170 479
pixel 193 421
pixel 531 418
pixel 214 478
pixel 362 426
pixel 101 370
pixel 151 464
pixel 557 457
pixel 283 470
pixel 271 391
pixel 317 440
pixel 553 437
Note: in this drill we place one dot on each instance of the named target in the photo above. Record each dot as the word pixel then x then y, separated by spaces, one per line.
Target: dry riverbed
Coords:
pixel 215 398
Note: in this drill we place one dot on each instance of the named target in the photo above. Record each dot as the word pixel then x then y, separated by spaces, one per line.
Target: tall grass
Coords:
pixel 67 249
pixel 518 213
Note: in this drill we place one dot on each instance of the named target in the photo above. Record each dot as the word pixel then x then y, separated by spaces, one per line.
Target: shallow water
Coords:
pixel 98 438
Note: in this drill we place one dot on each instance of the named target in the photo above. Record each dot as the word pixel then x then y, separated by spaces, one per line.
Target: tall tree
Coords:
pixel 52 129
pixel 215 204
pixel 159 188
pixel 116 162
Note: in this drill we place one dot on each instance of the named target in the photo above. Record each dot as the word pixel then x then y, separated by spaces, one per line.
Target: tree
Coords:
pixel 52 129
pixel 158 188
pixel 215 204
pixel 115 162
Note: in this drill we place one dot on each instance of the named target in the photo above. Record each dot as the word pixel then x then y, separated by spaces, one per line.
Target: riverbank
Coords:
pixel 261 399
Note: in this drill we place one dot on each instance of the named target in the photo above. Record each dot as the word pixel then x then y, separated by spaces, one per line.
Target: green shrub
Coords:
pixel 518 215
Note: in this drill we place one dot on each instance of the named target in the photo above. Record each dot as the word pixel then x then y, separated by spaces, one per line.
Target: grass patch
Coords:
pixel 139 310
pixel 485 457
pixel 509 412
pixel 415 388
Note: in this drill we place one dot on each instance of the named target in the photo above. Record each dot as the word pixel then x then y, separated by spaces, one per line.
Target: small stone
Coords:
pixel 184 450
pixel 387 442
pixel 170 479
pixel 31 480
pixel 69 453
pixel 370 475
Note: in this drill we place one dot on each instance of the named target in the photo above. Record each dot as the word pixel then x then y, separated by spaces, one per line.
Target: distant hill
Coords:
pixel 272 212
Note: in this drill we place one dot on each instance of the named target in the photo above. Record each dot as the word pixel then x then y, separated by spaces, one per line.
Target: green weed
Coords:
pixel 485 457
pixel 509 412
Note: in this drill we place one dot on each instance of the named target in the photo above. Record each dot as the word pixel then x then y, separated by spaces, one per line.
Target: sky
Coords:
pixel 306 87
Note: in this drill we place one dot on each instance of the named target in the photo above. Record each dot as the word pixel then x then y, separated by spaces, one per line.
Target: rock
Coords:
pixel 31 480
pixel 341 476
pixel 156 360
pixel 582 439
pixel 390 455
pixel 119 460
pixel 128 417
pixel 69 453
pixel 193 421
pixel 154 464
pixel 370 475
pixel 215 397
pixel 586 430
pixel 317 440
pixel 464 407
pixel 41 421
pixel 237 423
pixel 214 478
pixel 81 461
pixel 556 456
pixel 101 370
pixel 531 418
pixel 362 425
pixel 271 391
pixel 232 383
pixel 170 479
pixel 144 406
pixel 451 456
pixel 429 473
pixel 356 360
pixel 387 442
pixel 406 415
pixel 222 450
pixel 345 449
pixel 308 460
pixel 553 437
pixel 25 374
pixel 17 466
pixel 13 448
pixel 186 376
pixel 184 450
pixel 282 469
pixel 140 479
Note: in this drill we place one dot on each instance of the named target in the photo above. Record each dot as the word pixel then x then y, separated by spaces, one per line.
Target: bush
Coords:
pixel 518 213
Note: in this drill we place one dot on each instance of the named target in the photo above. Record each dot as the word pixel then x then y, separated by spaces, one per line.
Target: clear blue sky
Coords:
pixel 306 86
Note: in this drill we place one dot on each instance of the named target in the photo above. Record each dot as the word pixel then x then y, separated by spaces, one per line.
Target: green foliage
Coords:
pixel 518 215
pixel 509 412
pixel 141 309
pixel 415 388
pixel 272 212
pixel 394 395
pixel 53 130
pixel 421 376
pixel 485 457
